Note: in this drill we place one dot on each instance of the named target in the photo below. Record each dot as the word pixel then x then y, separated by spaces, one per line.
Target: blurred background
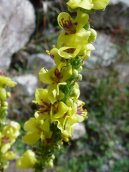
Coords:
pixel 28 29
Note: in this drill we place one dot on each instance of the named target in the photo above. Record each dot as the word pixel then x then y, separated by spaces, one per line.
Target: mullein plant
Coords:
pixel 9 130
pixel 59 107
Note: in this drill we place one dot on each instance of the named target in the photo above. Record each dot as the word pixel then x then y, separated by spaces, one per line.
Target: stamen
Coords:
pixel 70 50
pixel 58 76
pixel 45 107
pixel 5 140
pixel 68 26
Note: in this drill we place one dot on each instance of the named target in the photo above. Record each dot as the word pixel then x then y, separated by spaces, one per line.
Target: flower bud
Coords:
pixel 79 77
pixel 3 94
pixel 75 73
pixel 92 36
pixel 50 163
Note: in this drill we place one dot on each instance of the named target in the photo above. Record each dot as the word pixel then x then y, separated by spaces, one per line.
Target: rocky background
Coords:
pixel 28 29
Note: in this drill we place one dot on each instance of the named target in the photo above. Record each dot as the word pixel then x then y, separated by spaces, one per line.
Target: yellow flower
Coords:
pixel 27 160
pixel 59 111
pixel 10 155
pixel 36 128
pixel 54 54
pixel 65 121
pixel 66 127
pixel 8 136
pixel 71 45
pixel 99 5
pixel 43 102
pixel 75 40
pixel 69 52
pixel 54 93
pixel 81 113
pixel 73 115
pixel 88 4
pixel 66 22
pixel 70 25
pixel 55 75
pixel 6 81
pixel 65 52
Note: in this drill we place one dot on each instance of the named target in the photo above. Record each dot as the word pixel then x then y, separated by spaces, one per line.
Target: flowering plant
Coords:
pixel 59 107
pixel 8 130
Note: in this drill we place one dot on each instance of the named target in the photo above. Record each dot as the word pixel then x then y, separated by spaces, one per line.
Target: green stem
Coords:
pixel 45 151
pixel 3 113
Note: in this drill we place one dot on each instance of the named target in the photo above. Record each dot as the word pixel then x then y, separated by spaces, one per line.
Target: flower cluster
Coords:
pixel 8 130
pixel 8 135
pixel 4 82
pixel 59 107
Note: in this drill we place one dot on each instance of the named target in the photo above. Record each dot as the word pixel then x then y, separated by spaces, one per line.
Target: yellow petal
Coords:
pixel 68 52
pixel 6 81
pixel 45 75
pixel 85 4
pixel 27 160
pixel 73 40
pixel 41 96
pixel 30 125
pixel 65 21
pixel 62 109
pixel 100 4
pixel 10 155
pixel 31 138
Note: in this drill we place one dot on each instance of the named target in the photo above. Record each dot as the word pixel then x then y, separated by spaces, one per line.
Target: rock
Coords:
pixel 105 168
pixel 17 21
pixel 37 61
pixel 79 131
pixel 114 18
pixel 116 155
pixel 26 84
pixel 105 52
pixel 111 163
pixel 123 72
pixel 120 1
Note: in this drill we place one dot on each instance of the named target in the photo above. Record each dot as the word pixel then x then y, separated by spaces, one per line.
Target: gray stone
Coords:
pixel 26 84
pixel 116 155
pixel 105 52
pixel 105 168
pixel 79 131
pixel 113 19
pixel 37 61
pixel 17 23
pixel 120 1
pixel 111 163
